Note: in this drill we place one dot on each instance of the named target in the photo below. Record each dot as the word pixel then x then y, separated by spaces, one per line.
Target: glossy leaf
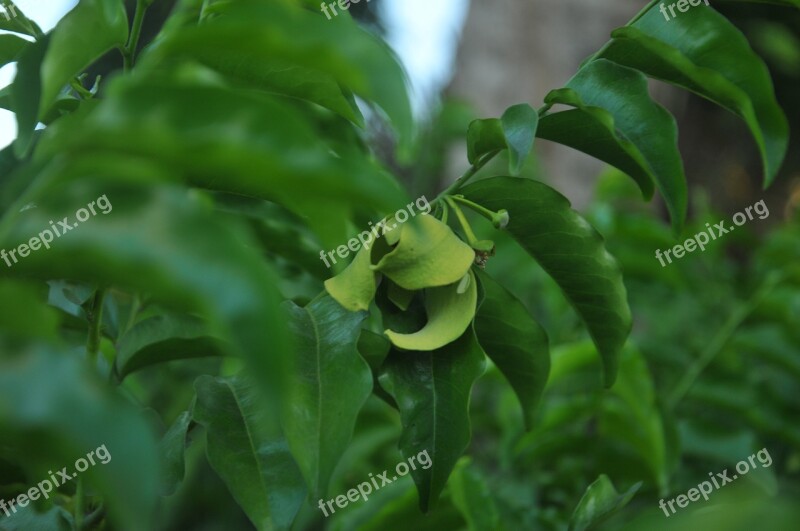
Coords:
pixel 428 254
pixel 432 390
pixel 570 251
pixel 706 54
pixel 449 313
pixel 623 93
pixel 164 338
pixel 515 342
pixel 600 501
pixel 515 131
pixel 321 413
pixel 252 460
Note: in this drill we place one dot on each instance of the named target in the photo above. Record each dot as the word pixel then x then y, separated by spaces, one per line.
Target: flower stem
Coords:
pixel 95 324
pixel 129 52
pixel 461 181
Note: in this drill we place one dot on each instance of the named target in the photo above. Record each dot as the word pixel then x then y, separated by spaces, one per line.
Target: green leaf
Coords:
pixel 148 241
pixel 515 342
pixel 432 390
pixel 399 296
pixel 52 410
pixel 472 496
pixel 321 413
pixel 269 151
pixel 29 316
pixel 450 312
pixel 706 54
pixel 16 21
pixel 515 131
pixel 354 288
pixel 162 338
pixel 519 128
pixel 278 31
pixel 428 254
pixel 623 93
pixel 172 449
pixel 250 457
pixel 600 501
pixel 570 251
pixel 87 32
pixel 10 47
pixel 26 518
pixel 25 94
pixel 592 130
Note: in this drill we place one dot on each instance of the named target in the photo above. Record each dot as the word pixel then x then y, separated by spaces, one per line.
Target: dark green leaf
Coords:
pixel 515 342
pixel 432 390
pixel 244 449
pixel 515 131
pixel 623 93
pixel 52 410
pixel 706 54
pixel 600 501
pixel 570 251
pixel 321 412
pixel 25 94
pixel 10 47
pixel 172 449
pixel 164 338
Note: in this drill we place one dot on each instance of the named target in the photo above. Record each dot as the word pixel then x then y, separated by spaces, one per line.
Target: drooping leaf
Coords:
pixel 321 412
pixel 515 131
pixel 25 94
pixel 449 313
pixel 432 390
pixel 623 93
pixel 570 251
pixel 244 449
pixel 515 342
pixel 164 338
pixel 172 449
pixel 428 254
pixel 706 54
pixel 600 501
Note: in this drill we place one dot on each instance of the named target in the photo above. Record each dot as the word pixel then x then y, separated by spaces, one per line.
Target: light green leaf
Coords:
pixel 600 501
pixel 623 93
pixel 515 342
pixel 432 390
pixel 321 413
pixel 570 251
pixel 243 448
pixel 449 315
pixel 428 254
pixel 706 54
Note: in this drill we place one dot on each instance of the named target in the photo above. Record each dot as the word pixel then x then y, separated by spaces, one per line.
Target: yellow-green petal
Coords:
pixel 428 254
pixel 449 314
pixel 354 288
